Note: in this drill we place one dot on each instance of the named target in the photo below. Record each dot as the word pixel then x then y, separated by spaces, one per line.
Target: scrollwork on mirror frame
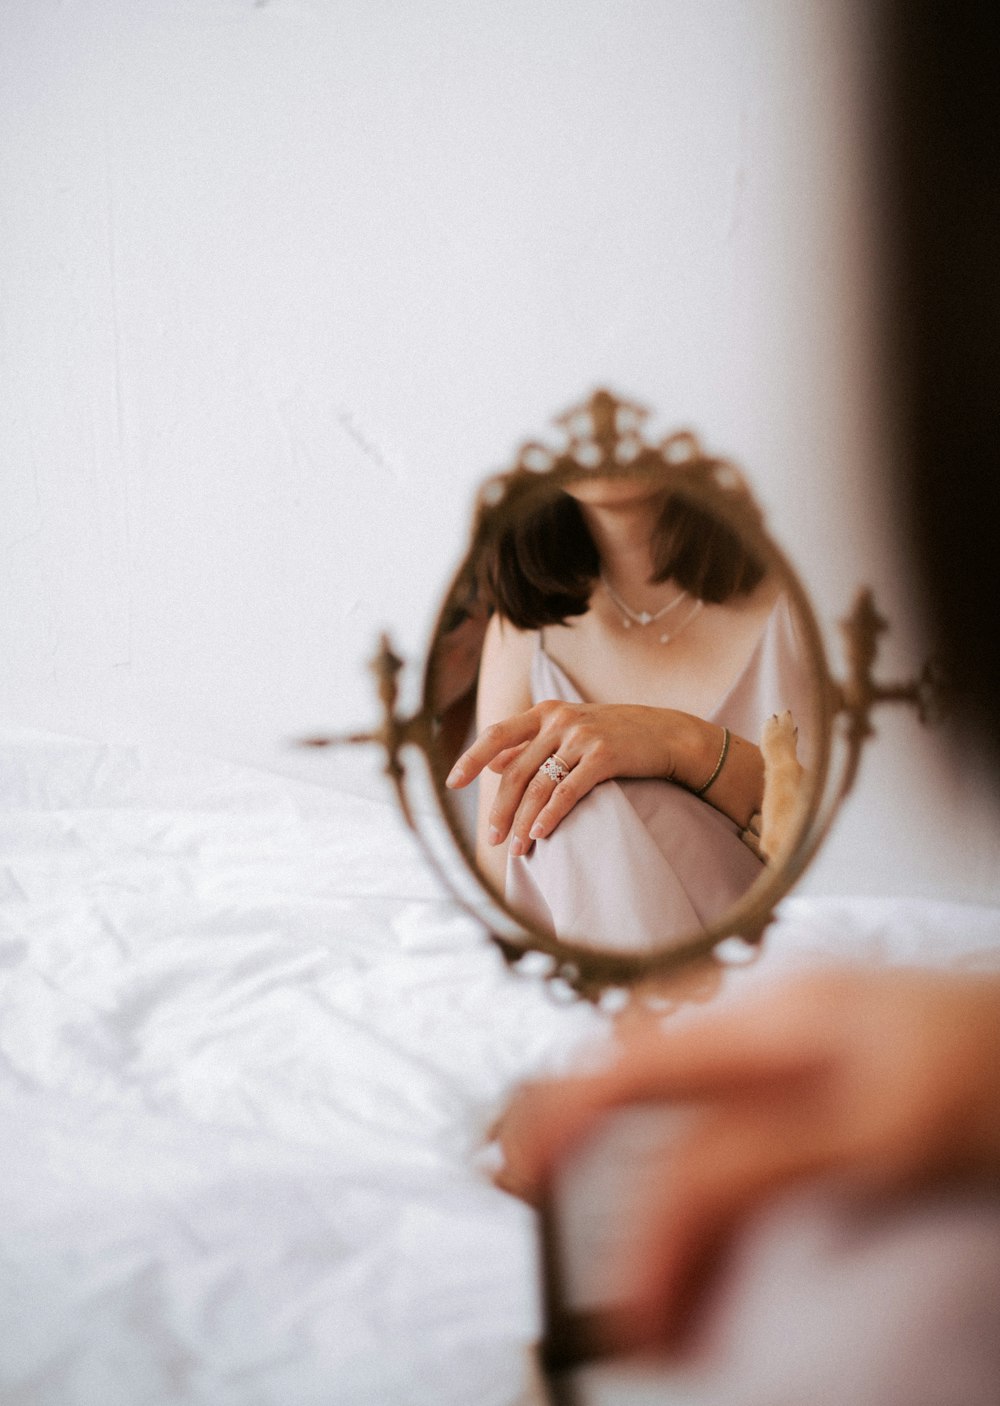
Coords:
pixel 606 436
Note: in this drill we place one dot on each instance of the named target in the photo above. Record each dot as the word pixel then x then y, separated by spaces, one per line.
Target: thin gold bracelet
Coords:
pixel 718 765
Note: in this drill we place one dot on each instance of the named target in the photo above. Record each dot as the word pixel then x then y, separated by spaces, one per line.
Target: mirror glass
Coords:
pixel 626 660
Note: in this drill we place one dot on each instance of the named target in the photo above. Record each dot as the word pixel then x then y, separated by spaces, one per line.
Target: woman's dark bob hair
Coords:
pixel 541 567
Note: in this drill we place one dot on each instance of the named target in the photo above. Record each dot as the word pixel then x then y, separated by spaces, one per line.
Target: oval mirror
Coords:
pixel 630 703
pixel 627 709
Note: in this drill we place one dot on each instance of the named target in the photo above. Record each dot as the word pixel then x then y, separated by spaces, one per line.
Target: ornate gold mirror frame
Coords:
pixel 606 436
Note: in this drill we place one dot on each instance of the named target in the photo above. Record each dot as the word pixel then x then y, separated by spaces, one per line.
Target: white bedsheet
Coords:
pixel 247 1056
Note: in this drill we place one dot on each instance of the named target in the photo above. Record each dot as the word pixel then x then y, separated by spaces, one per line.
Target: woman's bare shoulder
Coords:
pixel 505 671
pixel 507 643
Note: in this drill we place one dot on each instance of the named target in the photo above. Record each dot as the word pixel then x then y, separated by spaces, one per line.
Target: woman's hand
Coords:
pixel 595 741
pixel 887 1080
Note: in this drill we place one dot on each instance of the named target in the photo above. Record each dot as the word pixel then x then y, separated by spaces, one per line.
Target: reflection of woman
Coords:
pixel 636 650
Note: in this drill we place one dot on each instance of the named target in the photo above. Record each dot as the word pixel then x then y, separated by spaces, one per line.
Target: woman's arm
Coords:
pixel 597 742
pixel 504 690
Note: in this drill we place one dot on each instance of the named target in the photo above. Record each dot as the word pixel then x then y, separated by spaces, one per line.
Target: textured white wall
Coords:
pixel 279 281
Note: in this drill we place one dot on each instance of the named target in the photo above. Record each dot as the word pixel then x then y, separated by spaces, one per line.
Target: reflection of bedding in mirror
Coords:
pixel 632 637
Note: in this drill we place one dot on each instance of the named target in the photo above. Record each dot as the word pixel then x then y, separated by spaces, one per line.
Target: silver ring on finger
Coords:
pixel 554 768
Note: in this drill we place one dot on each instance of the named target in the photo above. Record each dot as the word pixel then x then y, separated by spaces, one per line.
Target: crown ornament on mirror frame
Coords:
pixel 604 430
pixel 606 433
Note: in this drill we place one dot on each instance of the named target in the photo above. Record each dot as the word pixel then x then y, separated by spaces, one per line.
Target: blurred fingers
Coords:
pixel 735 1162
pixel 709 1057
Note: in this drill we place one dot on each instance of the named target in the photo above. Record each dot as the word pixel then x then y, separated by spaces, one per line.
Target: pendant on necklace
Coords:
pixel 669 635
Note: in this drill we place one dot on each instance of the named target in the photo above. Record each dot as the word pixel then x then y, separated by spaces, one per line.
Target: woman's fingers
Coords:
pixel 561 800
pixel 595 742
pixel 709 1057
pixel 542 807
pixel 557 722
pixel 492 743
pixel 735 1160
pixel 502 760
pixel 524 789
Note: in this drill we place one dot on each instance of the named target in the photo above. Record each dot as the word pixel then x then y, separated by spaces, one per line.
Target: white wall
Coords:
pixel 281 280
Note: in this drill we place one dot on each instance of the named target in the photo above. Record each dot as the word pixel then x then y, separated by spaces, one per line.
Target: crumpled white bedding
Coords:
pixel 249 1052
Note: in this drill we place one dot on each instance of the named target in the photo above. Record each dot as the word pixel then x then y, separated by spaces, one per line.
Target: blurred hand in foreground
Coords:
pixel 886 1080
